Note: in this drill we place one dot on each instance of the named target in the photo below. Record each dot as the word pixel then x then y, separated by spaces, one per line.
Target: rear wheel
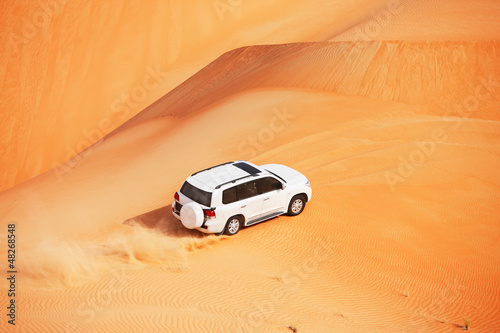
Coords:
pixel 297 205
pixel 233 225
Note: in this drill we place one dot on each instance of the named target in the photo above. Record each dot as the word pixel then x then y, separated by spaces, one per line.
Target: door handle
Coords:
pixel 266 199
pixel 243 206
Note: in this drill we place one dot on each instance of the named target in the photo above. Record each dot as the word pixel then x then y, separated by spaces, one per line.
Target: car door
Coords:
pixel 243 199
pixel 250 202
pixel 273 198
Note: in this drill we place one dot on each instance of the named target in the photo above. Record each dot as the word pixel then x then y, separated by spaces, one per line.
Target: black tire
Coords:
pixel 233 225
pixel 296 205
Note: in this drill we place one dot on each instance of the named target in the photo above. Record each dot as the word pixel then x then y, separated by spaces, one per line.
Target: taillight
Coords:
pixel 176 196
pixel 209 213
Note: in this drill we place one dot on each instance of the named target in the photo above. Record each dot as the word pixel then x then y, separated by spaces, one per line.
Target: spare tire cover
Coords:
pixel 192 215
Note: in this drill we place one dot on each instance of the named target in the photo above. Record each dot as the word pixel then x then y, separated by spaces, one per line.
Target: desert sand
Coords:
pixel 398 133
pixel 72 70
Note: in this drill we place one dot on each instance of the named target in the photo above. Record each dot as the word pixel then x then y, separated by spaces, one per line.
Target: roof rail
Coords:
pixel 235 180
pixel 212 168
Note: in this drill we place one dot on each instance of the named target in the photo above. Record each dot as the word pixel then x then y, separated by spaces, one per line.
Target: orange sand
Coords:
pixel 73 70
pixel 399 138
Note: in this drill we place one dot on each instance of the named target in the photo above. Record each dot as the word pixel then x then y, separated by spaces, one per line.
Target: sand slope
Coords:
pixel 72 71
pixel 401 235
pixel 440 74
pixel 426 20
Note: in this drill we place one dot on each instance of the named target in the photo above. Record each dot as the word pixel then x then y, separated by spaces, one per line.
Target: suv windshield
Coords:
pixel 195 194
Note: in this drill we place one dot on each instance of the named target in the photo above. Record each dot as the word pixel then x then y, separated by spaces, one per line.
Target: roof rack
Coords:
pixel 212 168
pixel 235 180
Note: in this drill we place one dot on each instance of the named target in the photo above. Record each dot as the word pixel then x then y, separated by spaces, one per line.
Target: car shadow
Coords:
pixel 161 220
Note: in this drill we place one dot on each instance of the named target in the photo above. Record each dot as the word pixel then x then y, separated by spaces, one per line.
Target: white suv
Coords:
pixel 226 197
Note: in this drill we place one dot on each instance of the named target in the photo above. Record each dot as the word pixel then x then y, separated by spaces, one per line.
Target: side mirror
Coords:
pixel 283 186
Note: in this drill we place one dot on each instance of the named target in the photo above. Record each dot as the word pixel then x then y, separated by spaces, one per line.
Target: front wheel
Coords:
pixel 233 225
pixel 297 205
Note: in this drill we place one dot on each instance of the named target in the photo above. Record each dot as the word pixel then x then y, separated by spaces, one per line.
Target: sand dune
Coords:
pixel 427 20
pixel 369 258
pixel 382 70
pixel 126 59
pixel 398 138
pixel 72 71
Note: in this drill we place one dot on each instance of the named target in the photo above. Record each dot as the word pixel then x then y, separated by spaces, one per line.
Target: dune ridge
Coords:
pixel 378 69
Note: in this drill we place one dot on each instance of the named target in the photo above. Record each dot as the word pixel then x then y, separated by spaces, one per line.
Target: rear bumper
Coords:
pixel 175 213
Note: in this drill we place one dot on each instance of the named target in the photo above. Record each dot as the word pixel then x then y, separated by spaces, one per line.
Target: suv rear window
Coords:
pixel 195 194
pixel 230 195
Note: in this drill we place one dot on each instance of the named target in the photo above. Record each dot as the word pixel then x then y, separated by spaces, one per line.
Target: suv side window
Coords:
pixel 269 184
pixel 230 195
pixel 247 190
